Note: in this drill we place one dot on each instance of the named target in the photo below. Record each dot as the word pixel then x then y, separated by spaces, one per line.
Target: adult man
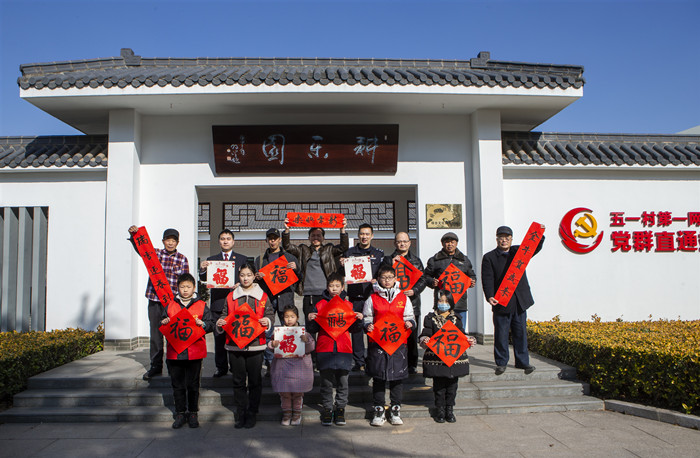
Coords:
pixel 511 316
pixel 450 254
pixel 285 297
pixel 316 262
pixel 359 292
pixel 402 242
pixel 174 264
pixel 217 296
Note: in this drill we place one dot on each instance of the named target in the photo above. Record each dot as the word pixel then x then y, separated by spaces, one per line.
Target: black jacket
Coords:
pixel 494 266
pixel 432 364
pixel 420 284
pixel 330 254
pixel 437 265
pixel 286 296
pixel 217 296
pixel 361 291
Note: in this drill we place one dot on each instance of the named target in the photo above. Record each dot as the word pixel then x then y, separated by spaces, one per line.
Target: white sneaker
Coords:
pixel 395 415
pixel 378 419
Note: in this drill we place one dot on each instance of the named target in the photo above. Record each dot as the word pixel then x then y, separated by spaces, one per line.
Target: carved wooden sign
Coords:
pixel 307 149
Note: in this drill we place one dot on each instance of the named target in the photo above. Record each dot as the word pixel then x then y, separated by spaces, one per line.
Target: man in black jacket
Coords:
pixel 450 254
pixel 217 296
pixel 511 316
pixel 402 242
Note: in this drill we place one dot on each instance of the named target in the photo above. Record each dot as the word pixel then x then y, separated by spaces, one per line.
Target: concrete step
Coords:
pixel 218 413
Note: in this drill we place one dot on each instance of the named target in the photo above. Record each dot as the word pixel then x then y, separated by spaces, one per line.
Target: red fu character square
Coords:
pixel 455 281
pixel 335 317
pixel 278 276
pixel 389 332
pixel 182 331
pixel 449 343
pixel 242 326
pixel 406 273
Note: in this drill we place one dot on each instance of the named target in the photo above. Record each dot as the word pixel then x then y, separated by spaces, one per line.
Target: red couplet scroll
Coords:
pixel 448 343
pixel 155 270
pixel 242 326
pixel 182 331
pixel 327 220
pixel 519 264
pixel 406 273
pixel 455 281
pixel 335 317
pixel 278 276
pixel 389 332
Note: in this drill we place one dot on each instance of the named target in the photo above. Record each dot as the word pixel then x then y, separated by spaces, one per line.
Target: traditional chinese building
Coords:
pixel 423 146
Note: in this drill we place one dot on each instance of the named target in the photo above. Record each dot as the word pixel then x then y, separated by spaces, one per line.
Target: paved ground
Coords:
pixel 597 433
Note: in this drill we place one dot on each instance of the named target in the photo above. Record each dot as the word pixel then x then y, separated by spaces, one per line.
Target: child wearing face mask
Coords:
pixel 445 378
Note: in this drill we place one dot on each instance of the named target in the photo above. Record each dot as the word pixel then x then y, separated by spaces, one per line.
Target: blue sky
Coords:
pixel 641 59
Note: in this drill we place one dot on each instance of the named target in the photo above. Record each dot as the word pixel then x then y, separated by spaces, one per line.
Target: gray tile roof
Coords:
pixel 136 71
pixel 537 148
pixel 76 151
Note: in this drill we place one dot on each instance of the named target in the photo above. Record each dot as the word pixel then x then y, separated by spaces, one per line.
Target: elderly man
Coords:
pixel 513 316
pixel 450 254
pixel 402 242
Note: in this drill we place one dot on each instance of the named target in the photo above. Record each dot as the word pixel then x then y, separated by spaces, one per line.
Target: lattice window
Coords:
pixel 203 217
pixel 412 216
pixel 262 216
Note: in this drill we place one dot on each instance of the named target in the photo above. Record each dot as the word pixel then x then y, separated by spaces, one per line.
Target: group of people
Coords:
pixel 319 267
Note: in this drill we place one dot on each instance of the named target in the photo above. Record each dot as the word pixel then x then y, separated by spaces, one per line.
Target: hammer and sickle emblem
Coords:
pixel 588 224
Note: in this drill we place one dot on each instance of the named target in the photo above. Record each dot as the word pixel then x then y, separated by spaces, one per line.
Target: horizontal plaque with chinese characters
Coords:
pixel 307 149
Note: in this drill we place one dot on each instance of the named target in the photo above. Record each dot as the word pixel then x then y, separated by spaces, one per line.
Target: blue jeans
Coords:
pixel 462 314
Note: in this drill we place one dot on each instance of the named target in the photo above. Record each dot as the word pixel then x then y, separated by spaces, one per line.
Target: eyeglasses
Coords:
pixel 385 277
pixel 503 237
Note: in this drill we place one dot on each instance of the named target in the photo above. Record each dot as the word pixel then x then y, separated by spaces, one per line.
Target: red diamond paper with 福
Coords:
pixel 448 343
pixel 455 281
pixel 406 273
pixel 182 330
pixel 242 326
pixel 335 317
pixel 278 276
pixel 326 220
pixel 389 332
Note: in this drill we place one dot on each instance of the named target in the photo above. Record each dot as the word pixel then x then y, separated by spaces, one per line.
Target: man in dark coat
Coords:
pixel 512 317
pixel 450 254
pixel 217 296
pixel 402 242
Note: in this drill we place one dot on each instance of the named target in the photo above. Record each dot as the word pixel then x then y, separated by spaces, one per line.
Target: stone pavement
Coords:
pixel 588 433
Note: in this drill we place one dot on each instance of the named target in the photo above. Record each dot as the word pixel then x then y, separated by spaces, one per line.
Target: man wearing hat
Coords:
pixel 217 296
pixel 285 297
pixel 174 264
pixel 450 254
pixel 510 317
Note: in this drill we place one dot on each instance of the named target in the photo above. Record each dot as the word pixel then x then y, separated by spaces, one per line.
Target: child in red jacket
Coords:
pixel 185 367
pixel 333 357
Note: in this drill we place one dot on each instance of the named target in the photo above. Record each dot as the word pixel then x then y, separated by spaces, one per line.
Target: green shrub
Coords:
pixel 23 355
pixel 652 362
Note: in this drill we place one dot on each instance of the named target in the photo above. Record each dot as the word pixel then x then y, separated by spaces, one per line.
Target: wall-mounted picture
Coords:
pixel 443 216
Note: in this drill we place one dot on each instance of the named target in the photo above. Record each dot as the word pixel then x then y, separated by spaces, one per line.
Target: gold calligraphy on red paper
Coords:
pixel 278 276
pixel 520 261
pixel 242 326
pixel 326 220
pixel 335 317
pixel 406 273
pixel 448 343
pixel 389 332
pixel 455 281
pixel 182 330
pixel 153 266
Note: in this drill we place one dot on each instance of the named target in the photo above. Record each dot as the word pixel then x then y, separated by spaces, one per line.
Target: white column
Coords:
pixel 123 303
pixel 488 201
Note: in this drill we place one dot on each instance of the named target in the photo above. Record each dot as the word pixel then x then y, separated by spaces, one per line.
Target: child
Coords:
pixel 387 298
pixel 185 367
pixel 247 362
pixel 292 377
pixel 333 357
pixel 445 378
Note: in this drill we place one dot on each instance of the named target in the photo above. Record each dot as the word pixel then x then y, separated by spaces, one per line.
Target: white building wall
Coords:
pixel 632 285
pixel 75 245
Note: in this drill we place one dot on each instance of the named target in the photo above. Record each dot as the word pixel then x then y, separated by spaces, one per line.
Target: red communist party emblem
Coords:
pixel 579 231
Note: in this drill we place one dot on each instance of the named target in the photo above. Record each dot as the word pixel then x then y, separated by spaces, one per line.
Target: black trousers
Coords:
pixel 445 391
pixel 412 342
pixel 246 365
pixel 220 353
pixel 358 337
pixel 155 310
pixel 184 376
pixel 516 323
pixel 395 391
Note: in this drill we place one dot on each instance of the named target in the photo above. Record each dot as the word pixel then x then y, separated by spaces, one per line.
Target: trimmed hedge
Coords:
pixel 23 355
pixel 652 362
